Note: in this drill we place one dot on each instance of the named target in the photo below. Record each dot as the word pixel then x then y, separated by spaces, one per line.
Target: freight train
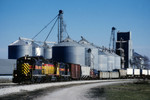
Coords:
pixel 37 69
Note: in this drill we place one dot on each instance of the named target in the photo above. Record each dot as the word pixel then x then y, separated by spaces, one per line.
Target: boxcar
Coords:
pixel 75 71
pixel 136 72
pixel 144 73
pixel 148 74
pixel 85 72
pixel 129 72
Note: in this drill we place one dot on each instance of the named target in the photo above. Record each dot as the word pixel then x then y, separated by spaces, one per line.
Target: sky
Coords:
pixel 92 19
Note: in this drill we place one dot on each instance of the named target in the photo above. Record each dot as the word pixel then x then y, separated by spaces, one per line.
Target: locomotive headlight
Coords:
pixel 15 74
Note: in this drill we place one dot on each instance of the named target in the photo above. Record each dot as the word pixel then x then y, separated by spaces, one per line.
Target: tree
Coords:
pixel 136 62
pixel 139 61
pixel 146 62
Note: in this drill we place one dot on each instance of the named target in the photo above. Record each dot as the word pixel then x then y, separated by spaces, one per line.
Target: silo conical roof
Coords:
pixel 19 48
pixel 101 53
pixel 69 51
pixel 45 46
pixel 85 43
pixel 20 42
pixel 68 42
pixel 35 45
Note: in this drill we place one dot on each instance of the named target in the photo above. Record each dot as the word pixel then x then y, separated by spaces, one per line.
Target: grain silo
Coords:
pixel 19 48
pixel 91 54
pixel 117 61
pixel 69 51
pixel 110 60
pixel 102 61
pixel 37 50
pixel 47 51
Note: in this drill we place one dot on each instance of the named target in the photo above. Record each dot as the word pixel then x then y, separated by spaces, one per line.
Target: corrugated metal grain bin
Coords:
pixel 117 61
pixel 123 73
pixel 75 71
pixel 18 49
pixel 94 56
pixel 104 75
pixel 110 61
pixel 129 71
pixel 114 75
pixel 69 51
pixel 37 50
pixel 91 54
pixel 47 51
pixel 136 72
pixel 7 66
pixel 85 72
pixel 102 61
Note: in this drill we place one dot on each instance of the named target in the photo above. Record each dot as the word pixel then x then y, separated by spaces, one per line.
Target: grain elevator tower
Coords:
pixel 124 48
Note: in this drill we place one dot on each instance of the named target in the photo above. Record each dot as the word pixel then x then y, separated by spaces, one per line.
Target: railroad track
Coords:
pixel 15 88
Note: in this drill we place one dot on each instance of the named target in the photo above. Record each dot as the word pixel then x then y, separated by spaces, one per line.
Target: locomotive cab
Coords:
pixel 23 69
pixel 26 68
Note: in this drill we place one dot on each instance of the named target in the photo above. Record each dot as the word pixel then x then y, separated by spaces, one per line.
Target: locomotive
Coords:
pixel 38 69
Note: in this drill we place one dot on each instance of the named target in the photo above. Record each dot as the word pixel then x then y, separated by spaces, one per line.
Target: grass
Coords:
pixel 126 91
pixel 136 91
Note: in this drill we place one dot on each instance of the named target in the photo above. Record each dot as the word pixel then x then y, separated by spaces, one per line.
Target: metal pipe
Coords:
pixel 61 25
